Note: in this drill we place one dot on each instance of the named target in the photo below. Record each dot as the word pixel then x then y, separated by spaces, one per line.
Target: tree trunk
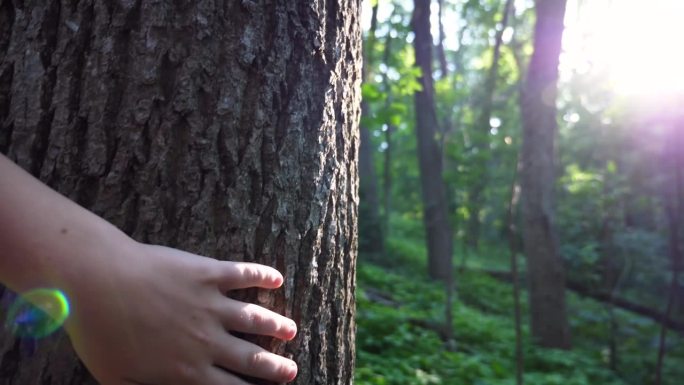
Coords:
pixel 511 231
pixel 370 226
pixel 435 214
pixel 225 128
pixel 545 267
pixel 673 191
pixel 387 180
pixel 441 55
pixel 371 236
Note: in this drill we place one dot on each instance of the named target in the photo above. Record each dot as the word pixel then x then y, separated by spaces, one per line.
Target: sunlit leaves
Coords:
pixel 371 93
pixel 408 84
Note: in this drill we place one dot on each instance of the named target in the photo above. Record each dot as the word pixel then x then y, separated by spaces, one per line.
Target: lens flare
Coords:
pixel 37 313
pixel 632 44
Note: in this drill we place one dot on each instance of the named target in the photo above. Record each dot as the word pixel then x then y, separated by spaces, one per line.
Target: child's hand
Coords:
pixel 140 314
pixel 158 316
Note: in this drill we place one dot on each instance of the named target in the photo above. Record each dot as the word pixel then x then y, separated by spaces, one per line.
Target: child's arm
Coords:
pixel 140 314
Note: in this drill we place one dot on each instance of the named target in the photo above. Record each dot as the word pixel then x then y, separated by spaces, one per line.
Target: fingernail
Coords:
pixel 293 371
pixel 293 330
pixel 277 280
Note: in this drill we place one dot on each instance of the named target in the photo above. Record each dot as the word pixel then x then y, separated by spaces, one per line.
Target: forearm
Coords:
pixel 44 237
pixel 138 313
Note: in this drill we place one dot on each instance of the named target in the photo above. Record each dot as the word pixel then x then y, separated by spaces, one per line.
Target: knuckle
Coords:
pixel 207 272
pixel 251 273
pixel 261 321
pixel 185 372
pixel 247 318
pixel 255 360
pixel 274 325
pixel 256 320
pixel 202 338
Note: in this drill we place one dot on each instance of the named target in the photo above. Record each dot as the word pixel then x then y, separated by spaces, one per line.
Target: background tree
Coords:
pixel 435 208
pixel 546 277
pixel 673 196
pixel 369 205
pixel 228 129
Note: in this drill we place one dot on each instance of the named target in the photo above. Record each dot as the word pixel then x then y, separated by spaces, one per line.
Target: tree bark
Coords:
pixel 435 214
pixel 225 128
pixel 549 324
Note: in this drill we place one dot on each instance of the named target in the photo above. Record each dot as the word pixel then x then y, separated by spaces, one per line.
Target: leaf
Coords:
pixel 371 93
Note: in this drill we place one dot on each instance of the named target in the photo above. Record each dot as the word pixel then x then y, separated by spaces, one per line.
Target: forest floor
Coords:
pixel 402 338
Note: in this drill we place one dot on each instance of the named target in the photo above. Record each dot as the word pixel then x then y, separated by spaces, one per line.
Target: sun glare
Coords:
pixel 635 43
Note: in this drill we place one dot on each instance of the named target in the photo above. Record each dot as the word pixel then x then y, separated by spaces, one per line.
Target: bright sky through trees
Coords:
pixel 636 42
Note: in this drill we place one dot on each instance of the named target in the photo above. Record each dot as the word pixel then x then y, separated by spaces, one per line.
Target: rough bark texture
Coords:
pixel 226 128
pixel 435 209
pixel 546 273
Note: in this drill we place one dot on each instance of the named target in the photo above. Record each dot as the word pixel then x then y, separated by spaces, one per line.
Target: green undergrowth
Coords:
pixel 400 314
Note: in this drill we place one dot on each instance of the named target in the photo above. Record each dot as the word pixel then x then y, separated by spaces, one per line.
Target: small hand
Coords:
pixel 154 315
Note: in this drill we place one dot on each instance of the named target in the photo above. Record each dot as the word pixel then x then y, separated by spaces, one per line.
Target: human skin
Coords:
pixel 140 314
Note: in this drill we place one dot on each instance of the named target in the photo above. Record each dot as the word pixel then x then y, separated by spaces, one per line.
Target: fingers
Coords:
pixel 218 376
pixel 241 275
pixel 211 376
pixel 246 358
pixel 252 319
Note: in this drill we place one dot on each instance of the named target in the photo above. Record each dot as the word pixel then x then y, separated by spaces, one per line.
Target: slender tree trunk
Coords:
pixel 448 124
pixel 388 182
pixel 545 266
pixel 387 169
pixel 435 214
pixel 441 56
pixel 513 247
pixel 674 207
pixel 445 128
pixel 613 271
pixel 481 135
pixel 371 239
pixel 435 207
pixel 226 128
pixel 663 328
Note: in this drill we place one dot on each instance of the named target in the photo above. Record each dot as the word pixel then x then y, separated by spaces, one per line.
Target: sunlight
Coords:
pixel 634 42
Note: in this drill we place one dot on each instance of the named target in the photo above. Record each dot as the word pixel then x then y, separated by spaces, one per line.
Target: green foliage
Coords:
pixel 611 225
pixel 400 313
pixel 486 294
pixel 394 347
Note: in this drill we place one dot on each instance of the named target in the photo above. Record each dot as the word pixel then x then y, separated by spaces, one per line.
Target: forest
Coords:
pixel 457 192
pixel 535 150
